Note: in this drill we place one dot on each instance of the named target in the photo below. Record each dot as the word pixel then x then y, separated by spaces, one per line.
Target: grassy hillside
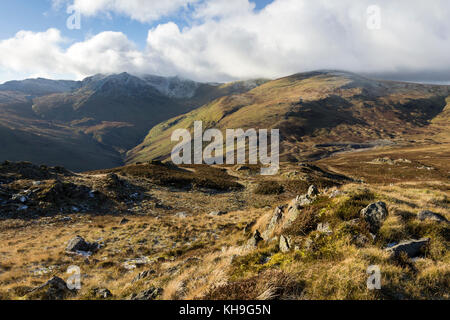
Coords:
pixel 314 111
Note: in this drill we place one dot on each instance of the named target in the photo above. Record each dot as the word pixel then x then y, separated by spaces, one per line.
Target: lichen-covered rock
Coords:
pixel 375 214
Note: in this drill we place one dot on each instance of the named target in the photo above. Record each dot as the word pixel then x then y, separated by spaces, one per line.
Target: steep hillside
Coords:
pixel 318 113
pixel 91 124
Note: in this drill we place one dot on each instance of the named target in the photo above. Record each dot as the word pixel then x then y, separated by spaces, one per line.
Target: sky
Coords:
pixel 224 40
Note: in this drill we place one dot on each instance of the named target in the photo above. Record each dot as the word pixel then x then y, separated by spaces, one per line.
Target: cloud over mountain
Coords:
pixel 230 39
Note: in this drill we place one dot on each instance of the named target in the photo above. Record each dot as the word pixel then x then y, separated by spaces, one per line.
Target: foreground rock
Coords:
pixel 431 216
pixel 412 248
pixel 102 293
pixel 54 289
pixel 78 245
pixel 149 294
pixel 375 214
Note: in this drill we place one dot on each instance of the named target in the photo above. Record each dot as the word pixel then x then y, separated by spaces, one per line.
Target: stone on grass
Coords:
pixel 375 214
pixel 431 216
pixel 79 245
pixel 412 248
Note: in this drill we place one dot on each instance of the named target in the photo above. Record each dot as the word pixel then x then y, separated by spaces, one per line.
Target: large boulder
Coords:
pixel 375 214
pixel 79 245
pixel 412 248
pixel 431 216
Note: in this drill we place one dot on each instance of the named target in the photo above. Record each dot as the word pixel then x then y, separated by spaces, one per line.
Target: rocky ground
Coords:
pixel 157 231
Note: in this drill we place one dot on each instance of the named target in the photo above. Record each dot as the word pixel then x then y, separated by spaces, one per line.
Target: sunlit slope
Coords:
pixel 313 110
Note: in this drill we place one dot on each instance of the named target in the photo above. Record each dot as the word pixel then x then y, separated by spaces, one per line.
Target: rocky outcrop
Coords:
pixel 375 214
pixel 274 222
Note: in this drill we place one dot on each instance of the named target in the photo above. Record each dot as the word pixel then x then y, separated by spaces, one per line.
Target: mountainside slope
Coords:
pixel 90 124
pixel 318 113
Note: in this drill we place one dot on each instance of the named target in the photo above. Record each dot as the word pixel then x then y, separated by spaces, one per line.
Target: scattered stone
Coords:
pixel 253 242
pixel 412 248
pixel 181 215
pixel 334 194
pixel 143 275
pixel 375 214
pixel 218 213
pixel 80 246
pixel 285 244
pixel 124 221
pixel 431 216
pixel 149 294
pixel 324 228
pixel 313 191
pixel 102 293
pixel 136 263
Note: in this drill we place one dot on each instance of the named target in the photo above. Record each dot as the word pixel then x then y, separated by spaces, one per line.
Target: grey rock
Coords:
pixel 143 275
pixel 375 214
pixel 181 215
pixel 78 244
pixel 313 191
pixel 285 244
pixel 324 228
pixel 102 293
pixel 431 216
pixel 276 219
pixel 149 294
pixel 218 213
pixel 412 248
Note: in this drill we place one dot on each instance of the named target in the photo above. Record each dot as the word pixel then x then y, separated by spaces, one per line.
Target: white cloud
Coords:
pixel 140 10
pixel 229 40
